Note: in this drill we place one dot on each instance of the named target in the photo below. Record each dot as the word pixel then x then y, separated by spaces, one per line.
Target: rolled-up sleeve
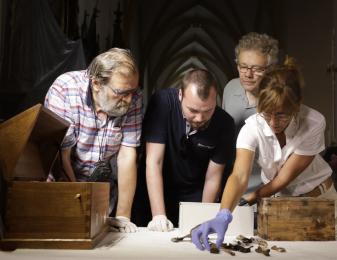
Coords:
pixel 132 126
pixel 57 101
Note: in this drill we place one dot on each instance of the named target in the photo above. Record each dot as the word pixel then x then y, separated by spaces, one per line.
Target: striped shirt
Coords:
pixel 70 98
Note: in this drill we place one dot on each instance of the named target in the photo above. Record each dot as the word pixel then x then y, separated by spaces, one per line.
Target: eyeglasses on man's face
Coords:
pixel 123 93
pixel 255 69
pixel 280 117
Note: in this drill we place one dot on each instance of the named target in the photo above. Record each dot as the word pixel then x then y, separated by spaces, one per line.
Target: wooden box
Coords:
pixel 296 219
pixel 40 214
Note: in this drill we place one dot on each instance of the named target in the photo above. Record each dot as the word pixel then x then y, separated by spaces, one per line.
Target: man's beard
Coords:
pixel 120 109
pixel 112 108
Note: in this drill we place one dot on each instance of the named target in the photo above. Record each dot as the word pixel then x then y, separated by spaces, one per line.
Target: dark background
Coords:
pixel 40 39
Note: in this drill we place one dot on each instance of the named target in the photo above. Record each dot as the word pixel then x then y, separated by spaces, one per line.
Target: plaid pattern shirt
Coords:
pixel 91 139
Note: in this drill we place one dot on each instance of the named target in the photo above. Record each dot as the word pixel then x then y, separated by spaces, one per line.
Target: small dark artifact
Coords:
pixel 259 241
pixel 189 235
pixel 178 239
pixel 244 239
pixel 262 250
pixel 214 249
pixel 228 251
pixel 236 247
pixel 278 249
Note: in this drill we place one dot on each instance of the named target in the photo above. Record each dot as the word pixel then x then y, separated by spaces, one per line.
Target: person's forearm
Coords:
pixel 66 163
pixel 233 191
pixel 237 182
pixel 293 167
pixel 211 190
pixel 154 181
pixel 126 192
pixel 274 186
pixel 266 190
pixel 127 180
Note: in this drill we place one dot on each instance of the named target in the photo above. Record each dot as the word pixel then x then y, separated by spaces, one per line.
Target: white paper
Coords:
pixel 194 213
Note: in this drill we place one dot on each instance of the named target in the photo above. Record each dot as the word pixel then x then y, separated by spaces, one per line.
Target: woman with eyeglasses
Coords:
pixel 289 137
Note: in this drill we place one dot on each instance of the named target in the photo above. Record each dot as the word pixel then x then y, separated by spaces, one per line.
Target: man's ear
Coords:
pixel 180 95
pixel 95 85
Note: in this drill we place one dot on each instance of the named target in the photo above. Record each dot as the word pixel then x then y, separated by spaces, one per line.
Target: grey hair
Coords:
pixel 113 61
pixel 262 43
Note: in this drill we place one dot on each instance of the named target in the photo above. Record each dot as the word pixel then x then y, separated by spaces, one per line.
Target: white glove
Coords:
pixel 160 223
pixel 122 224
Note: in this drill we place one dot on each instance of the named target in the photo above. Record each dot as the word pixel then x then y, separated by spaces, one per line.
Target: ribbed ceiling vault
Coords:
pixel 177 36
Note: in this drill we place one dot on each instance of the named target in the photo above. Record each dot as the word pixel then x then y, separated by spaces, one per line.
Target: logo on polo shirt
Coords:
pixel 205 146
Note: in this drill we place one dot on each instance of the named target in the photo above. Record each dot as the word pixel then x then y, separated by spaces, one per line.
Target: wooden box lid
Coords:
pixel 30 142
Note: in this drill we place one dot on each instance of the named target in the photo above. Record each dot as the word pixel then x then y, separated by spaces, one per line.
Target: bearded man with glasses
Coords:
pixel 104 107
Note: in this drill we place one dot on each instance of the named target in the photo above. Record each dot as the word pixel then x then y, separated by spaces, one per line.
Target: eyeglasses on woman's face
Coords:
pixel 279 116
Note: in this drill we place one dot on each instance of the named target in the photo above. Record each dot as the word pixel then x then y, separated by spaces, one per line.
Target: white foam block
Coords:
pixel 194 213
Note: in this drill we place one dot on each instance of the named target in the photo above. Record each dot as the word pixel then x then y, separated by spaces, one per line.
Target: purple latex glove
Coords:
pixel 217 225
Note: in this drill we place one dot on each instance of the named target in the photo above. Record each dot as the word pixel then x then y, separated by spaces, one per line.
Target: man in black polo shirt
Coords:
pixel 189 140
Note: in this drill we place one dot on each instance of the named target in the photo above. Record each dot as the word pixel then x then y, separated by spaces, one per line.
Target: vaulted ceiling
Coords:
pixel 176 36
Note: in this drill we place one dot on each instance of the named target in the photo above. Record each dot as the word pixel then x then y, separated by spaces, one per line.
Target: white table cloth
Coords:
pixel 156 245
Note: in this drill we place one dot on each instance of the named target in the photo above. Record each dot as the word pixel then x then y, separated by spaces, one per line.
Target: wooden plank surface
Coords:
pixel 48 210
pixel 296 219
pixel 100 195
pixel 14 134
pixel 30 142
pixel 90 243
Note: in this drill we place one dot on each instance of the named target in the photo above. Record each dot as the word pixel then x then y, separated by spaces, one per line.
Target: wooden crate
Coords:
pixel 40 214
pixel 55 215
pixel 296 219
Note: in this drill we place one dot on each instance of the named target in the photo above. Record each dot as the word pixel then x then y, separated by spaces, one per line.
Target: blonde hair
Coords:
pixel 281 87
pixel 113 61
pixel 261 43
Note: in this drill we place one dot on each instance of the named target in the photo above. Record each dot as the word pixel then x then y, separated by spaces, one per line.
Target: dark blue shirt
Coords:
pixel 186 160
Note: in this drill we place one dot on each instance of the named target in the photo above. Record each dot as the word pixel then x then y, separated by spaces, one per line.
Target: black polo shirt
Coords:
pixel 186 160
